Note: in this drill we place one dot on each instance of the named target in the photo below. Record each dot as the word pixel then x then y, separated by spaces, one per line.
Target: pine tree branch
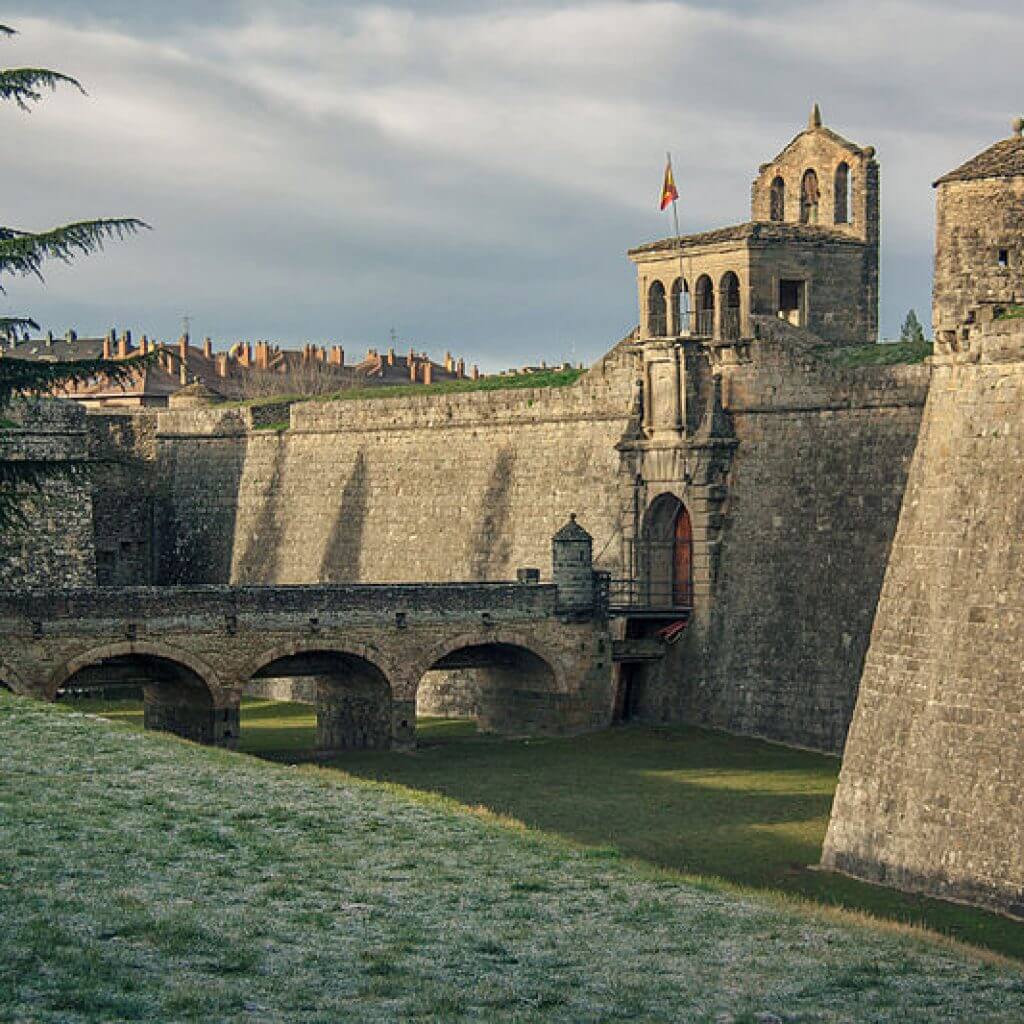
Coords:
pixel 26 85
pixel 23 253
pixel 29 377
pixel 9 324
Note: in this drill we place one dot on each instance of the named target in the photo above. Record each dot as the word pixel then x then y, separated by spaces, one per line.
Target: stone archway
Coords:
pixel 667 553
pixel 502 681
pixel 350 689
pixel 181 694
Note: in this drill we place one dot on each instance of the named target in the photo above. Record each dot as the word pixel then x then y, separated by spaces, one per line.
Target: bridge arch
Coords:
pixel 508 682
pixel 11 681
pixel 138 648
pixel 181 693
pixel 350 685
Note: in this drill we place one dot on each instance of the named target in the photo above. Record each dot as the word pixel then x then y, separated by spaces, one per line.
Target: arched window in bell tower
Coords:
pixel 842 193
pixel 810 195
pixel 777 200
pixel 657 321
pixel 680 306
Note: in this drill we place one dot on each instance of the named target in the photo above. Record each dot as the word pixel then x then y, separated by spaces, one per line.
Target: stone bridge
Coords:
pixel 541 657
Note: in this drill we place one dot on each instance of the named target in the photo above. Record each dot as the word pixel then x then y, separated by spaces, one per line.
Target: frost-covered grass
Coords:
pixel 148 879
pixel 719 809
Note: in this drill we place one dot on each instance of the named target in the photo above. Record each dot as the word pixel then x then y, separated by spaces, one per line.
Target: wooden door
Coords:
pixel 682 560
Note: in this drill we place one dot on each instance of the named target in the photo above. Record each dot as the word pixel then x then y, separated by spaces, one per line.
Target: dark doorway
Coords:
pixel 792 296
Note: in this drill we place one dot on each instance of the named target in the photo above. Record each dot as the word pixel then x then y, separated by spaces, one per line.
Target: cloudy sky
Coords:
pixel 467 173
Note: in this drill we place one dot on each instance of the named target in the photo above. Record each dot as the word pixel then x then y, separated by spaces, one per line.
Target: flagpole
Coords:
pixel 675 212
pixel 682 276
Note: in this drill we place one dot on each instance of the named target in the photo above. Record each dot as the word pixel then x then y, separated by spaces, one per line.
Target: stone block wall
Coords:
pixel 122 453
pixel 53 547
pixel 929 795
pixel 444 487
pixel 975 222
pixel 812 502
pixel 841 286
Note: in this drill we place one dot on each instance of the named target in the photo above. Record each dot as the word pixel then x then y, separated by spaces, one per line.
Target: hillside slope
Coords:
pixel 143 878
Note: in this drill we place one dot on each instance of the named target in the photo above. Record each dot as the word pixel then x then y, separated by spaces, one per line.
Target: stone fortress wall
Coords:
pixel 471 486
pixel 451 487
pixel 52 545
pixel 929 795
pixel 813 498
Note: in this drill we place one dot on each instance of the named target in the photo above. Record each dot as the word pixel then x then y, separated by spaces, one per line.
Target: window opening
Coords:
pixel 810 195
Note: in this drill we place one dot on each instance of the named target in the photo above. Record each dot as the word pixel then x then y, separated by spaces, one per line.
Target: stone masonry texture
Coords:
pixel 929 795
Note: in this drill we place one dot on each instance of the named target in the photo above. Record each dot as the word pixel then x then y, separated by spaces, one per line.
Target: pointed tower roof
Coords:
pixel 572 531
pixel 1005 159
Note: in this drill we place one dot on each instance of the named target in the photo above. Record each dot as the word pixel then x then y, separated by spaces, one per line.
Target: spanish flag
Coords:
pixel 668 189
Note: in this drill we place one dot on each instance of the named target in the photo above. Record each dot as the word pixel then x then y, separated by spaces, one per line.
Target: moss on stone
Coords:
pixel 882 354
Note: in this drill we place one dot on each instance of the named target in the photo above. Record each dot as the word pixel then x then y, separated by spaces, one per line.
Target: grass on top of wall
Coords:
pixel 148 879
pixel 711 806
pixel 1010 313
pixel 886 353
pixel 540 379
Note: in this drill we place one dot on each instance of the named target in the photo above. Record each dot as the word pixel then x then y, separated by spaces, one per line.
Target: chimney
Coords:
pixel 448 362
pixel 106 347
pixel 428 372
pixel 70 336
pixel 476 372
pixel 49 339
pixel 222 364
pixel 122 346
pixel 413 366
pixel 183 347
pixel 183 374
pixel 391 356
pixel 460 368
pixel 207 348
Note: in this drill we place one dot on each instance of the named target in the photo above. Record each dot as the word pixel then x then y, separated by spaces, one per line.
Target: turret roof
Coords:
pixel 572 530
pixel 1003 160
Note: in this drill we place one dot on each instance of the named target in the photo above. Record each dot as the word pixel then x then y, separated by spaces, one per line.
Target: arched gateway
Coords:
pixel 667 553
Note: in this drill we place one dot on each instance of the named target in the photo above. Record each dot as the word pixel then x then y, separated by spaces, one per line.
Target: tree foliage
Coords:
pixel 912 329
pixel 23 253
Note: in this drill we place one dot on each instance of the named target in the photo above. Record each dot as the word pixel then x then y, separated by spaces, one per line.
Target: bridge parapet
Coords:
pixel 273 606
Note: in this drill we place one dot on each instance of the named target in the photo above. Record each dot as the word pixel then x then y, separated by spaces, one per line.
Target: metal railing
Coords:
pixel 705 322
pixel 630 594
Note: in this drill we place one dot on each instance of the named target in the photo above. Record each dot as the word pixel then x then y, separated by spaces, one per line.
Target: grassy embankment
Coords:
pixel 148 879
pixel 738 812
pixel 894 353
pixel 506 382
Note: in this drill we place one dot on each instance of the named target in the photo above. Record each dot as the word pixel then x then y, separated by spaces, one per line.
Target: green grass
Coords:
pixel 885 354
pixel 540 379
pixel 1010 313
pixel 144 878
pixel 708 805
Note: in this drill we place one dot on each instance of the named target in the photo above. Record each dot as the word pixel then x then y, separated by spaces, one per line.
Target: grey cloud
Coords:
pixel 468 173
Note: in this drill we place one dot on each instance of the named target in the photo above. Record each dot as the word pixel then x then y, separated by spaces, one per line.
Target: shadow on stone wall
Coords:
pixel 341 558
pixel 490 549
pixel 259 557
pixel 196 508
